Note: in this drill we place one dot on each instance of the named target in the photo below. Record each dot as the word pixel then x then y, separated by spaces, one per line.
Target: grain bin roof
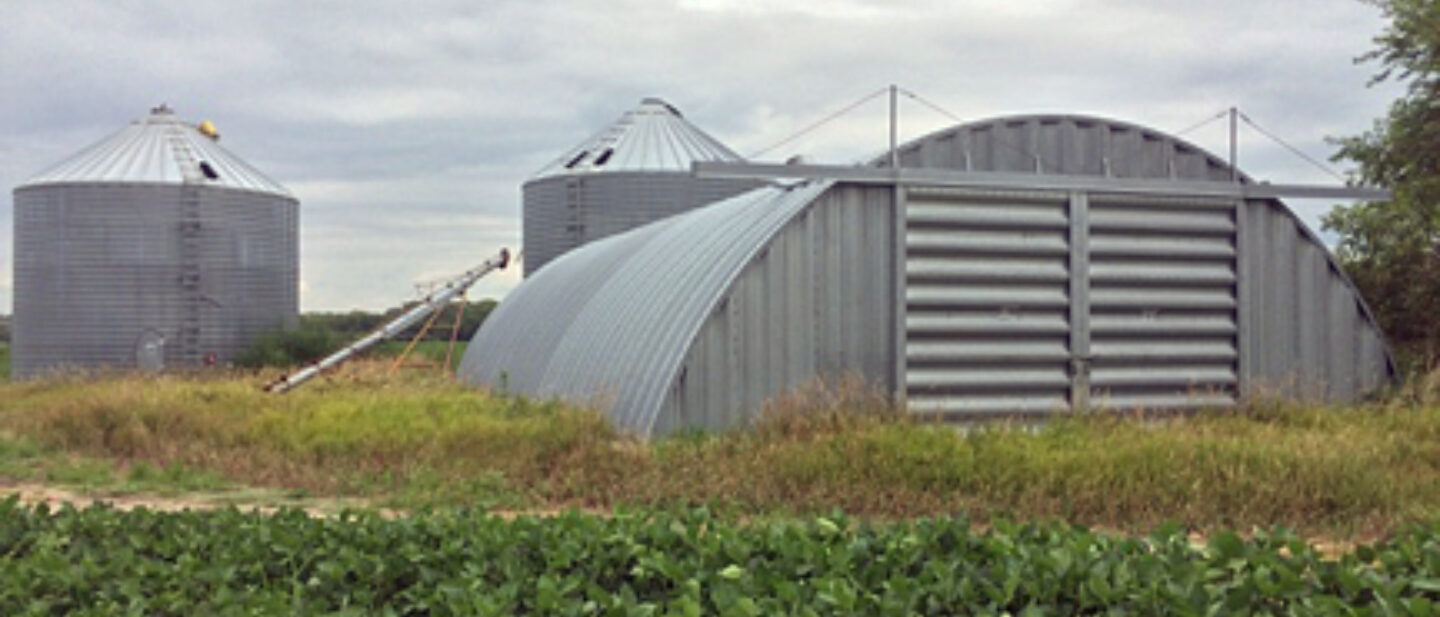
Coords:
pixel 158 149
pixel 653 136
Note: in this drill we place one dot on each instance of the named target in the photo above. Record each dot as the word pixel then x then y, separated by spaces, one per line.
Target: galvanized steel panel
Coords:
pixel 621 341
pixel 815 303
pixel 1162 304
pixel 99 267
pixel 564 212
pixel 1063 144
pixel 653 136
pixel 147 151
pixel 987 302
pixel 1313 337
pixel 632 173
pixel 1166 302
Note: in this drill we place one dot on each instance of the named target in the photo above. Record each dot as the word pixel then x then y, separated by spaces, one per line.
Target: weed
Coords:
pixel 419 439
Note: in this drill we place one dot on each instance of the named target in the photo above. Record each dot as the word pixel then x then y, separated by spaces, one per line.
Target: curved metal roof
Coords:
pixel 158 149
pixel 653 136
pixel 614 318
pixel 1070 144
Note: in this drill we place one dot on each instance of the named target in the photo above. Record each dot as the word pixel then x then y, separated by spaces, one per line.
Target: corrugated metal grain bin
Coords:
pixel 1026 265
pixel 634 172
pixel 152 248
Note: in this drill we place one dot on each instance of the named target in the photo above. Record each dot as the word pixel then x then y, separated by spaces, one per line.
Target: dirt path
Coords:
pixel 265 501
pixel 269 501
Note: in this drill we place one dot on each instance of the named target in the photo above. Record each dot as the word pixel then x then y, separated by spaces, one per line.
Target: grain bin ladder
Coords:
pixel 432 303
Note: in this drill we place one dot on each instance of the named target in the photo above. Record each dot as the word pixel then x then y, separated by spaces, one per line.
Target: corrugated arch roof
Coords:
pixel 149 151
pixel 613 319
pixel 1062 144
pixel 653 136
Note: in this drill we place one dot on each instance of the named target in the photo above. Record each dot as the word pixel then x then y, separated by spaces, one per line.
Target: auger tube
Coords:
pixel 433 302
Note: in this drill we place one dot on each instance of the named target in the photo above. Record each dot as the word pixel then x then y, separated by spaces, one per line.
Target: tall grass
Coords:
pixel 359 434
pixel 424 439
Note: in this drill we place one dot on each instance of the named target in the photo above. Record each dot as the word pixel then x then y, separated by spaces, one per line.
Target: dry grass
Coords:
pixel 422 439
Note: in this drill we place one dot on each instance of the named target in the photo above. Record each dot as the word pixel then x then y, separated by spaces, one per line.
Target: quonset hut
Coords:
pixel 1035 264
pixel 152 248
pixel 633 172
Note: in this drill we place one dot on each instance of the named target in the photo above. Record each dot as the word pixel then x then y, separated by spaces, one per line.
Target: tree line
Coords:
pixel 320 333
pixel 1391 249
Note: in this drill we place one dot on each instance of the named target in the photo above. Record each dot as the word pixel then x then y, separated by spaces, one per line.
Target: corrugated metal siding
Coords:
pixel 623 340
pixel 98 265
pixel 1312 337
pixel 987 302
pixel 515 352
pixel 1062 144
pixel 564 212
pixel 816 302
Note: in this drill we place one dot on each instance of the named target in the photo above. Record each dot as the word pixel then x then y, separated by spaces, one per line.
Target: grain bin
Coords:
pixel 633 172
pixel 154 248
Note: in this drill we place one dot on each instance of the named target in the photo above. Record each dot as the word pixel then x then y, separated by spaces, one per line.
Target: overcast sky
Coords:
pixel 407 128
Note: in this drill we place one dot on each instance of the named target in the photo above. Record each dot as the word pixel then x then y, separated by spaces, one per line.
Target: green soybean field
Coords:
pixel 103 561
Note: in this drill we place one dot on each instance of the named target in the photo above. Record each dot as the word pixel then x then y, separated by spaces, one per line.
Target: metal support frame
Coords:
pixel 900 255
pixel 1001 180
pixel 1244 347
pixel 900 287
pixel 1079 266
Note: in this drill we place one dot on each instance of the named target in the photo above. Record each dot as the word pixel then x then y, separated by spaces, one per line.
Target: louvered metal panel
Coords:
pixel 987 302
pixel 1162 303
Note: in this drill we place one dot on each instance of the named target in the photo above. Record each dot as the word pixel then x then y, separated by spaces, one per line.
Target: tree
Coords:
pixel 1392 249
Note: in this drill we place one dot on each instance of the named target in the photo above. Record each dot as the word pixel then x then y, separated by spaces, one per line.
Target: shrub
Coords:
pixel 281 347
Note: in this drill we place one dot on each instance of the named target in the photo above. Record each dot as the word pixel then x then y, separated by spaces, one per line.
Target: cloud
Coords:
pixel 407 129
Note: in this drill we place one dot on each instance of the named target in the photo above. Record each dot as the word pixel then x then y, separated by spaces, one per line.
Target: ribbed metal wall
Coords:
pixel 98 266
pixel 566 211
pixel 1312 337
pixel 813 303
